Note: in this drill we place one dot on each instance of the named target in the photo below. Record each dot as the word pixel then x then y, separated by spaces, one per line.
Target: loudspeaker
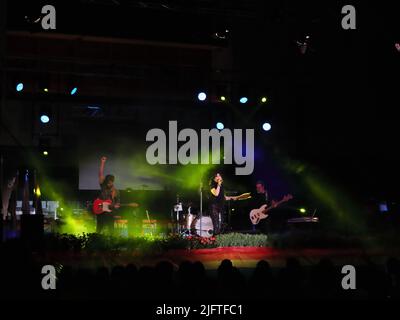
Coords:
pixel 32 228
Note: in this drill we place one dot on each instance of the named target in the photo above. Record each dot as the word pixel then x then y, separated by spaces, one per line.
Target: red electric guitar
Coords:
pixel 101 206
pixel 258 214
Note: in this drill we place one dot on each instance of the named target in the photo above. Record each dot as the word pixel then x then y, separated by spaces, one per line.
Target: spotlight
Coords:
pixel 44 118
pixel 45 114
pixel 44 145
pixel 266 126
pixel 74 91
pixel 264 99
pixel 243 99
pixel 44 84
pixel 220 126
pixel 222 91
pixel 19 87
pixel 37 191
pixel 202 96
pixel 383 207
pixel 302 210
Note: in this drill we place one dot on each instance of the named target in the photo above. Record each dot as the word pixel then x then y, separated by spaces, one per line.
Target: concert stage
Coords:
pixel 140 135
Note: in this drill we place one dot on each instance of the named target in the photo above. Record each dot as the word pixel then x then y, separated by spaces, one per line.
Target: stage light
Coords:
pixel 44 118
pixel 302 210
pixel 383 207
pixel 202 96
pixel 37 190
pixel 266 126
pixel 44 84
pixel 222 98
pixel 43 146
pixel 74 91
pixel 243 99
pixel 220 126
pixel 264 99
pixel 20 87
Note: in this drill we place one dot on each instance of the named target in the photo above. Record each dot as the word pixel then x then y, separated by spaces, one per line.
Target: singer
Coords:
pixel 217 201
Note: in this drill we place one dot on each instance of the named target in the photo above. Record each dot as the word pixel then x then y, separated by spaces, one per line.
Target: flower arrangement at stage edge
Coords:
pixel 94 243
pixel 195 242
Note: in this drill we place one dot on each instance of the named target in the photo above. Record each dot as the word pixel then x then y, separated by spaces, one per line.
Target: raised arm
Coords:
pixel 101 169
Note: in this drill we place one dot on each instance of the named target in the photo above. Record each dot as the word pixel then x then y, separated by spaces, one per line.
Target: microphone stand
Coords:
pixel 177 215
pixel 201 205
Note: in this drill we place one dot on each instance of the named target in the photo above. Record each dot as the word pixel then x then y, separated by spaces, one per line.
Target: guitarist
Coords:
pixel 260 198
pixel 105 221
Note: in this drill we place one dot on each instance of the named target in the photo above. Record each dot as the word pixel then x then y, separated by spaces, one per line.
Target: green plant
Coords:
pixel 148 245
pixel 242 240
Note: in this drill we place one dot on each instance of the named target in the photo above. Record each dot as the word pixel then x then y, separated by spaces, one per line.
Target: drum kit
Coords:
pixel 189 220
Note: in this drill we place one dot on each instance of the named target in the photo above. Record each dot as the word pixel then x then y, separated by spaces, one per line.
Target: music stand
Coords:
pixel 178 208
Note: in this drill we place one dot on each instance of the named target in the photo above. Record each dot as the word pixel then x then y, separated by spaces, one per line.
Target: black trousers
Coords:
pixel 217 213
pixel 105 224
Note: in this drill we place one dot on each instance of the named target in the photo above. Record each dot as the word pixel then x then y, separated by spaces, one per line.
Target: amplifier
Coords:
pixel 149 226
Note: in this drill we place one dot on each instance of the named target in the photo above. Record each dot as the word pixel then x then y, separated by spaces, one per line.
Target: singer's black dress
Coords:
pixel 217 207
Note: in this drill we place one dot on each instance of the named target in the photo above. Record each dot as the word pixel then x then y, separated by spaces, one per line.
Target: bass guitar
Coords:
pixel 256 215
